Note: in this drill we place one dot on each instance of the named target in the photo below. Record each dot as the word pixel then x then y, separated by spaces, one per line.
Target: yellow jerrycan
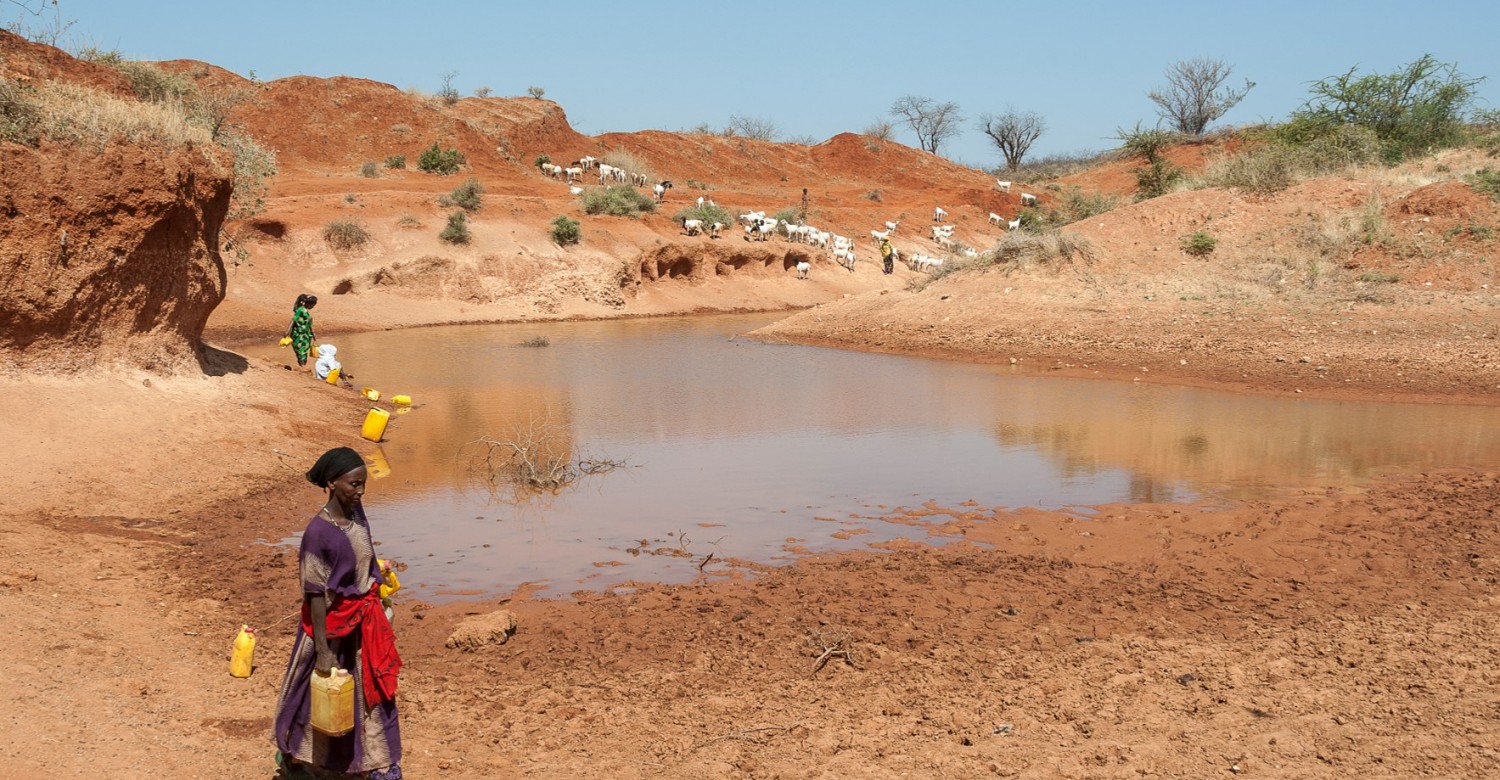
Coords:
pixel 374 426
pixel 333 376
pixel 332 702
pixel 401 400
pixel 242 658
pixel 389 583
pixel 370 393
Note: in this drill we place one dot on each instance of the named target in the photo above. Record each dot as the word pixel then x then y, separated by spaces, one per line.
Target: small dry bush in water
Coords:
pixel 534 456
pixel 345 235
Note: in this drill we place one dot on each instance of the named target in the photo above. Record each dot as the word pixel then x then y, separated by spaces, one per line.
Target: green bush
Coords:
pixel 444 162
pixel 1075 205
pixel 457 231
pixel 620 200
pixel 565 231
pixel 152 83
pixel 396 162
pixel 1198 244
pixel 541 160
pixel 1485 180
pixel 468 196
pixel 707 214
pixel 370 169
pixel 1415 109
pixel 345 235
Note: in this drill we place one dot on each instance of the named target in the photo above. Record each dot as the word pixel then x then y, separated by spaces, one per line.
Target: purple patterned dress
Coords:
pixel 340 563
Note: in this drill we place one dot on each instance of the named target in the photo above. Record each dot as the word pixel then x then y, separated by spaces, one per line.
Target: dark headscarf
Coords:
pixel 335 463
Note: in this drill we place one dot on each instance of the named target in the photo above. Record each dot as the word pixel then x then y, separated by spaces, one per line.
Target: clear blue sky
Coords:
pixel 812 68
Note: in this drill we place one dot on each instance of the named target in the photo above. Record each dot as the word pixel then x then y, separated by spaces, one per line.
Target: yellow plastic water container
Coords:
pixel 333 376
pixel 332 702
pixel 375 422
pixel 401 400
pixel 370 393
pixel 286 341
pixel 391 584
pixel 242 658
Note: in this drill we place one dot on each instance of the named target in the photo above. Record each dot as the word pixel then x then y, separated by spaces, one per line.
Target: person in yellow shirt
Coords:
pixel 887 254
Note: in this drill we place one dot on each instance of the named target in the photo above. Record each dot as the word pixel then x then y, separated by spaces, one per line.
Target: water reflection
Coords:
pixel 749 450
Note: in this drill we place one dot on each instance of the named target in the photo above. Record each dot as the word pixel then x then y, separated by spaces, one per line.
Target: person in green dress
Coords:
pixel 301 329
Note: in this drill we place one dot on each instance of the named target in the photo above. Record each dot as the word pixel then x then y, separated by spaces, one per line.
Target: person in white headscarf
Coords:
pixel 327 362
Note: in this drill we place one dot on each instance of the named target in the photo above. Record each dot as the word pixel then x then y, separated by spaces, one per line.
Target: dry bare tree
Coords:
pixel 933 122
pixel 880 128
pixel 1013 133
pixel 1195 94
pixel 751 127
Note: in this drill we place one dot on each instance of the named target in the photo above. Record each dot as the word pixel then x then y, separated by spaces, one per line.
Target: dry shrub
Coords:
pixel 72 113
pixel 342 234
pixel 533 457
pixel 631 162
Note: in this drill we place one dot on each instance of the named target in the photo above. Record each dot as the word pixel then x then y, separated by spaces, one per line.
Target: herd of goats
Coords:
pixel 759 227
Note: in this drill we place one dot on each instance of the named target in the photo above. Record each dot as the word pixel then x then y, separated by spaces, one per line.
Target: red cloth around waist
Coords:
pixel 377 641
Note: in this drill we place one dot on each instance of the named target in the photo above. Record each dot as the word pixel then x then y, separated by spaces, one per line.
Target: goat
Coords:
pixel 661 190
pixel 845 257
pixel 573 174
pixel 638 179
pixel 877 236
pixel 1003 186
pixel 692 226
pixel 1014 224
pixel 996 219
pixel 713 230
pixel 752 216
pixel 700 201
pixel 606 172
pixel 585 162
pixel 942 231
pixel 938 214
pixel 891 226
pixel 921 262
pixel 1027 199
pixel 802 268
pixel 575 190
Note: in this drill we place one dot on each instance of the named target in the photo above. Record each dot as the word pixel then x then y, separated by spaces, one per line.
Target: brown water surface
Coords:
pixel 755 451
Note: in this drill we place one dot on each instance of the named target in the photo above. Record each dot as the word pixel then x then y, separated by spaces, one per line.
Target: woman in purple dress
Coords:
pixel 343 625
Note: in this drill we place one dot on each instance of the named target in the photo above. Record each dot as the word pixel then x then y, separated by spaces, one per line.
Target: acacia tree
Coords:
pixel 1013 133
pixel 1195 94
pixel 933 122
pixel 1419 106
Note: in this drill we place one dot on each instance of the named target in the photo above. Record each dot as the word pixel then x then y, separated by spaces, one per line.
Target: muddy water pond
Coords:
pixel 756 452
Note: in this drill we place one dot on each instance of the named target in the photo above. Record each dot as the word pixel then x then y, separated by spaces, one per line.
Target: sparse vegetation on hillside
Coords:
pixel 1159 174
pixel 1056 166
pixel 565 231
pixel 447 92
pixel 536 92
pixel 444 162
pixel 457 230
pixel 1020 251
pixel 468 196
pixel 1013 133
pixel 620 201
pixel 751 127
pixel 370 169
pixel 1198 244
pixel 396 162
pixel 1071 206
pixel 345 235
pixel 1486 181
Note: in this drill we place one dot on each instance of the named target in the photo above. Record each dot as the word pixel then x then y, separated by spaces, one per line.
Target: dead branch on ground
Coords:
pixel 834 642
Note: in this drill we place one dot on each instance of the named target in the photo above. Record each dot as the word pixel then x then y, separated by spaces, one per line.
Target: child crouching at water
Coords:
pixel 328 363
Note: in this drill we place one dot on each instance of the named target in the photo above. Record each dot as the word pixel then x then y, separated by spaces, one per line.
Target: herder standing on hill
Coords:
pixel 887 254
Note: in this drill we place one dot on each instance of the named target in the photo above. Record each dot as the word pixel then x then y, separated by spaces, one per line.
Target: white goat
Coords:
pixel 714 229
pixel 845 257
pixel 996 219
pixel 692 226
pixel 1004 186
pixel 1014 224
pixel 879 235
pixel 575 190
pixel 942 231
pixel 802 268
pixel 606 172
pixel 753 216
pixel 938 214
pixel 921 262
pixel 585 162
pixel 891 226
pixel 1027 199
pixel 574 174
pixel 661 190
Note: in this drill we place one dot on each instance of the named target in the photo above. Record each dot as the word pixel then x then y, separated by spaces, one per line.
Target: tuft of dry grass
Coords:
pixel 72 113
